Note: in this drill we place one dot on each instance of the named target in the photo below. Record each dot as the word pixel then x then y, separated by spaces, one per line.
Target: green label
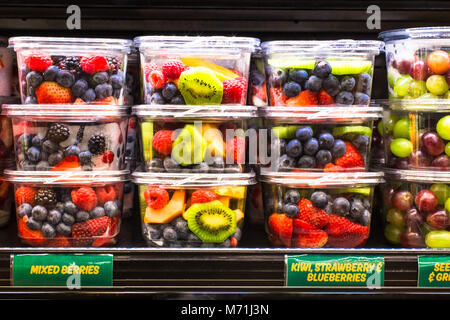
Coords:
pixel 62 270
pixel 434 271
pixel 311 270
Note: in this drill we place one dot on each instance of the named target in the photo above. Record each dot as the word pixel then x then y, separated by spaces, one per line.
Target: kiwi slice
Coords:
pixel 366 191
pixel 293 63
pixel 211 221
pixel 352 131
pixel 200 86
pixel 147 137
pixel 189 146
pixel 285 132
pixel 349 67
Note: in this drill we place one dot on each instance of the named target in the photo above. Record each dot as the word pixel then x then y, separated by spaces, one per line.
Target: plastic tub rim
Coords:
pixel 417 176
pixel 415 33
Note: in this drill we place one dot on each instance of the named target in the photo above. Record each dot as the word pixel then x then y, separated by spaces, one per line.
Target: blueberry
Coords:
pixel 217 164
pixel 361 142
pixel 24 210
pixel 193 240
pixel 99 78
pixel 314 83
pixel 201 167
pixel 70 208
pixel 311 147
pixel 365 218
pixel 72 150
pixel 111 208
pixel 329 208
pixel 28 165
pixel 65 78
pixel 345 97
pixel 299 76
pixel 237 234
pixel 306 161
pixel 279 77
pixel 341 206
pixel 169 233
pixel 169 90
pixel 322 69
pixel 25 141
pixel 294 148
pixel 291 210
pixel 286 162
pixel 36 141
pixel 291 196
pixel 181 227
pixel 82 216
pixel 256 78
pixel 319 199
pixel 291 89
pixel 347 83
pixel 338 149
pixel 323 157
pixel 178 99
pixel 97 212
pixel 31 91
pixel 361 98
pixel 54 217
pixel 326 140
pixel 54 159
pixel 356 208
pixel 39 213
pixel 43 166
pixel 34 79
pixel 89 95
pixel 331 85
pixel 33 224
pixel 68 219
pixel 103 91
pixel 366 203
pixel 153 230
pixel 364 83
pixel 117 81
pixel 79 88
pixel 48 230
pixel 64 229
pixel 304 133
pixel 33 154
pixel 157 98
pixel 85 157
pixel 50 73
pixel 49 146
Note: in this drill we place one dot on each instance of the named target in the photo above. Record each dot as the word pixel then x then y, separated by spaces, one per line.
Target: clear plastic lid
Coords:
pixel 210 112
pixel 413 105
pixel 61 43
pixel 419 176
pixel 416 33
pixel 64 112
pixel 193 180
pixel 62 178
pixel 302 179
pixel 196 42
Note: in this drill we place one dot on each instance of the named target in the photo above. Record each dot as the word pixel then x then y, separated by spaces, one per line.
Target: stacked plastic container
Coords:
pixel 193 186
pixel 69 138
pixel 416 133
pixel 317 188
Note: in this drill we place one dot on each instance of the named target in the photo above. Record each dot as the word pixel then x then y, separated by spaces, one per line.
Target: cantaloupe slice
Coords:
pixel 239 215
pixel 215 146
pixel 225 201
pixel 221 72
pixel 173 208
pixel 232 192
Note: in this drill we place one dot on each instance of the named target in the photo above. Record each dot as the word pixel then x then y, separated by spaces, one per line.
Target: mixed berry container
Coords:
pixel 334 139
pixel 56 70
pixel 193 139
pixel 311 73
pixel 417 134
pixel 416 206
pixel 192 210
pixel 195 70
pixel 310 210
pixel 418 62
pixel 68 209
pixel 6 68
pixel 68 137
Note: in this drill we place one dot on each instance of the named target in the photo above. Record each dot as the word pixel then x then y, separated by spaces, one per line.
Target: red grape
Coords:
pixel 412 239
pixel 441 162
pixel 426 200
pixel 419 70
pixel 438 220
pixel 419 158
pixel 402 200
pixel 433 144
pixel 403 66
pixel 413 217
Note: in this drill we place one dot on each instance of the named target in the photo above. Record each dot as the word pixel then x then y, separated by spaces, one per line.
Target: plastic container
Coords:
pixel 6 68
pixel 68 209
pixel 192 210
pixel 6 131
pixel 257 89
pixel 200 139
pixel 6 197
pixel 417 134
pixel 418 62
pixel 311 73
pixel 195 70
pixel 68 137
pixel 311 210
pixel 71 70
pixel 416 206
pixel 317 139
pixel 133 88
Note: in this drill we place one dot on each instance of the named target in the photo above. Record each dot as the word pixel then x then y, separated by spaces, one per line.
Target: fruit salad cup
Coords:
pixel 418 62
pixel 417 135
pixel 417 208
pixel 201 139
pixel 192 210
pixel 195 70
pixel 257 90
pixel 71 70
pixel 6 68
pixel 311 210
pixel 61 209
pixel 313 139
pixel 68 137
pixel 311 73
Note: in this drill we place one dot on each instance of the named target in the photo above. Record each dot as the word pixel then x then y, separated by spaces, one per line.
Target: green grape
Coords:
pixel 447 149
pixel 442 192
pixel 438 239
pixel 392 76
pixel 447 95
pixel 443 127
pixel 392 233
pixel 417 88
pixel 388 124
pixel 401 128
pixel 401 147
pixel 395 217
pixel 428 96
pixel 437 84
pixel 401 86
pixel 447 205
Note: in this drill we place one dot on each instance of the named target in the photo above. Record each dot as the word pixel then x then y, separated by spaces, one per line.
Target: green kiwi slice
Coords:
pixel 211 221
pixel 339 67
pixel 200 86
pixel 351 131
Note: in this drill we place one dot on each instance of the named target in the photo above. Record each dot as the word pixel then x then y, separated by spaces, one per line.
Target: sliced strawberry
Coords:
pixel 343 233
pixel 312 215
pixel 280 225
pixel 351 159
pixel 69 163
pixel 306 235
pixel 305 98
pixel 325 98
pixel 277 97
pixel 50 92
pixel 33 237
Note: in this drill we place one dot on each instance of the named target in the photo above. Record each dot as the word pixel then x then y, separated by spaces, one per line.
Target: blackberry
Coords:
pixel 114 64
pixel 96 144
pixel 80 133
pixel 58 132
pixel 72 64
pixel 45 197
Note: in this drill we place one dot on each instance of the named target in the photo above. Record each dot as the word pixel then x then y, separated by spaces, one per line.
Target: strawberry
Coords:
pixel 172 69
pixel 69 163
pixel 81 235
pixel 148 68
pixel 34 237
pixel 305 98
pixel 50 92
pixel 94 64
pixel 38 62
pixel 203 195
pixel 306 235
pixel 157 79
pixel 105 194
pixel 98 226
pixel 259 95
pixel 312 215
pixel 84 198
pixel 280 225
pixel 106 101
pixel 22 127
pixel 343 233
pixel 329 167
pixel 59 241
pixel 234 91
pixel 108 157
pixel 325 98
pixel 236 149
pixel 351 159
pixel 162 141
pixel 156 197
pixel 79 101
pixel 277 97
pixel 25 195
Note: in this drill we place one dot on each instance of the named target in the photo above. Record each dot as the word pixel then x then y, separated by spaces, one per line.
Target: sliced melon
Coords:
pixel 239 215
pixel 221 72
pixel 292 63
pixel 232 192
pixel 225 200
pixel 216 147
pixel 170 211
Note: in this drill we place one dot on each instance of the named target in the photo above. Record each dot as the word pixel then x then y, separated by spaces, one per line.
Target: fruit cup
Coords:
pixel 311 210
pixel 192 210
pixel 417 135
pixel 201 139
pixel 6 68
pixel 311 73
pixel 418 62
pixel 61 209
pixel 316 139
pixel 68 137
pixel 416 207
pixel 71 70
pixel 257 90
pixel 195 70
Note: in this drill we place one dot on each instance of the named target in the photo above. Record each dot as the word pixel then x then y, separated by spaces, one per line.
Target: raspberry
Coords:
pixel 234 90
pixel 25 195
pixel 84 198
pixel 94 64
pixel 156 197
pixel 325 98
pixel 108 157
pixel 202 195
pixel 351 159
pixel 148 68
pixel 162 142
pixel 37 62
pixel 172 69
pixel 157 79
pixel 236 149
pixel 105 194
